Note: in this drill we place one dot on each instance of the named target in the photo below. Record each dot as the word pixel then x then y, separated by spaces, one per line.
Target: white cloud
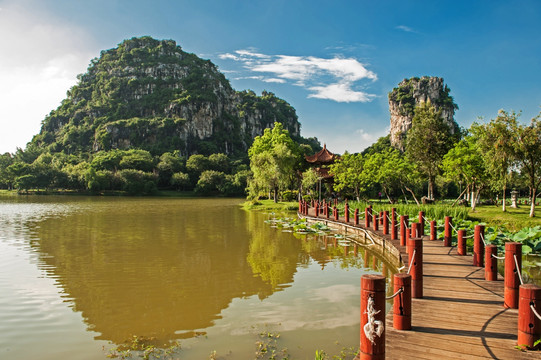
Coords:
pixel 274 80
pixel 340 92
pixel 405 28
pixel 333 79
pixel 39 60
pixel 250 53
pixel 228 56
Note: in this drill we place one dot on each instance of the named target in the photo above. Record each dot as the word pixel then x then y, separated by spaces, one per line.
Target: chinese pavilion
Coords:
pixel 320 161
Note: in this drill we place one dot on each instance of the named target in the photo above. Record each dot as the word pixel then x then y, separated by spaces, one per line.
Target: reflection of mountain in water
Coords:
pixel 151 268
pixel 167 268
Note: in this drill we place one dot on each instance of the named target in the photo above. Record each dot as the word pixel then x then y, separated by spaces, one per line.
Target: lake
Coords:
pixel 82 277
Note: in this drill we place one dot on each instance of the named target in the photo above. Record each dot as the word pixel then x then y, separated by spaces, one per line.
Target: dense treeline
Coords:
pixel 487 158
pixel 130 171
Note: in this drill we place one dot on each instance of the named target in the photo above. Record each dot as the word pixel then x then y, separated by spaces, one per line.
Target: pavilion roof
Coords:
pixel 323 157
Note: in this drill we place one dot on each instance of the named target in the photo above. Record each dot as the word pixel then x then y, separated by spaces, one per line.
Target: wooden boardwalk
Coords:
pixel 461 315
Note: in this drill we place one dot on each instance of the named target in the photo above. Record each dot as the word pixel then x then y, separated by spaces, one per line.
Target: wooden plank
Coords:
pixel 461 315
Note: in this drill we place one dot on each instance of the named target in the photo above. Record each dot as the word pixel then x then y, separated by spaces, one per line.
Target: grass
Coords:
pixel 512 219
pixel 270 205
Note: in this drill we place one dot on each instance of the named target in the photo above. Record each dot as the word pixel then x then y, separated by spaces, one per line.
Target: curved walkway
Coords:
pixel 461 315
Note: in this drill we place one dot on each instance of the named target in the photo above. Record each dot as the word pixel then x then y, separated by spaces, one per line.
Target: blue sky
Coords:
pixel 334 62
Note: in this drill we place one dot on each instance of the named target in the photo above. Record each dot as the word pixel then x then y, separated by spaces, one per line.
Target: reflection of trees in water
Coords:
pixel 274 254
pixel 150 269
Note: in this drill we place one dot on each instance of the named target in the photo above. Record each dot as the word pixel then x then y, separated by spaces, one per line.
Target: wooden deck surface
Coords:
pixel 461 315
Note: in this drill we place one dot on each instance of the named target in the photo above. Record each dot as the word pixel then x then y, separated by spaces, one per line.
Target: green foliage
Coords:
pixel 528 151
pixel 464 163
pixel 274 159
pixel 381 145
pixel 496 140
pixel 404 95
pixel 141 94
pixel 180 180
pixel 310 179
pixel 210 182
pixel 429 139
pixel 136 182
pixel 349 175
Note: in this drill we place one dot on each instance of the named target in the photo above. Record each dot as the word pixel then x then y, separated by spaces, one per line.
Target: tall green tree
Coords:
pixel 428 140
pixel 6 178
pixel 528 151
pixel 391 171
pixel 496 140
pixel 274 159
pixel 464 163
pixel 349 174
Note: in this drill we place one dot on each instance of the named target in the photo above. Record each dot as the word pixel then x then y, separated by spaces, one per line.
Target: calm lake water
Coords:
pixel 80 276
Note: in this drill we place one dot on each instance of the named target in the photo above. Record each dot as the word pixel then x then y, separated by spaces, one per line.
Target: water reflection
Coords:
pixel 169 268
pixel 158 270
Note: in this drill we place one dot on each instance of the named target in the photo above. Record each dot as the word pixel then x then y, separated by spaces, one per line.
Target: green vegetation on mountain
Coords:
pixel 137 116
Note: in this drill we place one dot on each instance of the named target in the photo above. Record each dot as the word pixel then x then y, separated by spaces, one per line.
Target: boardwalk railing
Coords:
pixel 524 297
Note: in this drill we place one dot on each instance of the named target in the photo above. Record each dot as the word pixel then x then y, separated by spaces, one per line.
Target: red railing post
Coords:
pixel 415 261
pixel 408 237
pixel 448 235
pixel 414 230
pixel 381 217
pixel 385 222
pixel 356 217
pixel 394 228
pixel 346 213
pixel 375 222
pixel 403 228
pixel 402 302
pixel 327 210
pixel 317 208
pixel 491 263
pixel 372 313
pixel 529 325
pixel 335 212
pixel 461 242
pixel 511 278
pixel 478 245
pixel 367 216
pixel 421 227
pixel 300 206
pixel 433 233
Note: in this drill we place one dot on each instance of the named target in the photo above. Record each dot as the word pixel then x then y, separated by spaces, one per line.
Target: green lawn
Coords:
pixel 512 219
pixel 269 205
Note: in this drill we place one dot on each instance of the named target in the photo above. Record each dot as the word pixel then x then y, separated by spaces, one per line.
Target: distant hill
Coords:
pixel 149 94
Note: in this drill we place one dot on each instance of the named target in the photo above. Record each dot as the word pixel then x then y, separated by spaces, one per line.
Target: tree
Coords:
pixel 349 174
pixel 195 165
pixel 180 180
pixel 464 163
pixel 138 160
pixel 274 158
pixel 528 151
pixel 210 181
pixel 6 178
pixel 496 140
pixel 390 170
pixel 169 164
pixel 310 179
pixel 428 140
pixel 219 162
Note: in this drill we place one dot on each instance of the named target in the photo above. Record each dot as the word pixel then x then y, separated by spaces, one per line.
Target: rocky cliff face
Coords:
pixel 150 94
pixel 410 93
